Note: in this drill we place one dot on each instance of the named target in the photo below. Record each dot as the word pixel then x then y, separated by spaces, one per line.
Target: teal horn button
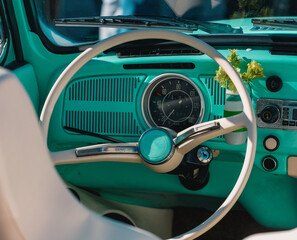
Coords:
pixel 156 146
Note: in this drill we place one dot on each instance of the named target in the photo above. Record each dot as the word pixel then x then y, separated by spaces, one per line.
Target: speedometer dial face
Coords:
pixel 173 101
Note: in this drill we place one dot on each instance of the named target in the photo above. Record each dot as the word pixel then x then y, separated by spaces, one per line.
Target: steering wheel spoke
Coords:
pixel 108 152
pixel 197 134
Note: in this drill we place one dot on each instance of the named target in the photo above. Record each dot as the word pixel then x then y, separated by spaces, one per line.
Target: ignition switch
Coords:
pixel 204 155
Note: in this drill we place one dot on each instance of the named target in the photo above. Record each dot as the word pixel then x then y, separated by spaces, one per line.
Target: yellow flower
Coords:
pixel 233 58
pixel 254 70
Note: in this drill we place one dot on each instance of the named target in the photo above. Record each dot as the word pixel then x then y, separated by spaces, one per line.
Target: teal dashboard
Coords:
pixel 121 96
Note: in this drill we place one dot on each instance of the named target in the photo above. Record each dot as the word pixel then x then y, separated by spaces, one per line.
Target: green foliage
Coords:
pixel 252 8
pixel 253 71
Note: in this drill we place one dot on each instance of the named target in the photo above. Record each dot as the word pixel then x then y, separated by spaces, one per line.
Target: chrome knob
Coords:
pixel 204 155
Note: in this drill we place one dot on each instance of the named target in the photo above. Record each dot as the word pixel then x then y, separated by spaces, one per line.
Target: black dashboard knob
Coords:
pixel 274 83
pixel 270 114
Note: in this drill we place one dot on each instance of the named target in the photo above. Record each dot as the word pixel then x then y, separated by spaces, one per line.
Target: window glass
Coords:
pixel 194 10
pixel 57 9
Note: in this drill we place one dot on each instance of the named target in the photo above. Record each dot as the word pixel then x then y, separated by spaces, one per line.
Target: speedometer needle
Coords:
pixel 168 116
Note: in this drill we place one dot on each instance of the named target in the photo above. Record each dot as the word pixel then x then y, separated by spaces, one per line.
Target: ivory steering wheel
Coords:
pixel 185 140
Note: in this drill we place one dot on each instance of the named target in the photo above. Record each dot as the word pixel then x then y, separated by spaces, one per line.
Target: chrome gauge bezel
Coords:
pixel 149 89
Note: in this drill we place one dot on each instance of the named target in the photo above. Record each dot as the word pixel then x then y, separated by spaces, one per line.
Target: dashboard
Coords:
pixel 168 100
pixel 121 97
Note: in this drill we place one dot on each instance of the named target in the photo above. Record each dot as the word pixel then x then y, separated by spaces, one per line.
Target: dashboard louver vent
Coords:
pixel 109 89
pixel 216 91
pixel 104 105
pixel 160 66
pixel 217 96
pixel 157 51
pixel 103 122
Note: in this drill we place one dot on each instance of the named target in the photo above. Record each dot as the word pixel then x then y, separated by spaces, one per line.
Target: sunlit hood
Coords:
pixel 180 7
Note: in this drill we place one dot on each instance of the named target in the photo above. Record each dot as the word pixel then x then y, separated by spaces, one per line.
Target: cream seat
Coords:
pixel 34 203
pixel 280 235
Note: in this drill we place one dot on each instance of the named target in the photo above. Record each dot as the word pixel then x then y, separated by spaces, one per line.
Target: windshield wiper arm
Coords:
pixel 97 135
pixel 281 23
pixel 136 22
pixel 133 22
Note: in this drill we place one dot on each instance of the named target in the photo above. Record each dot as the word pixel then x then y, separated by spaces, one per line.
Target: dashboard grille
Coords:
pixel 158 51
pixel 217 96
pixel 216 91
pixel 110 89
pixel 175 65
pixel 103 122
pixel 104 105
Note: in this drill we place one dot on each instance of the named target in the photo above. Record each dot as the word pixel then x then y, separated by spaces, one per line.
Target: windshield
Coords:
pixel 233 14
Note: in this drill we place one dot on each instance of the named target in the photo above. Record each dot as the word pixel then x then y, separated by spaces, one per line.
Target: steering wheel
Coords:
pixel 173 148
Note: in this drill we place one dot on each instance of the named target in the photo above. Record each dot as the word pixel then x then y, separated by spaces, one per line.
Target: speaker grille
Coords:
pixel 103 122
pixel 217 97
pixel 109 89
pixel 104 105
pixel 216 91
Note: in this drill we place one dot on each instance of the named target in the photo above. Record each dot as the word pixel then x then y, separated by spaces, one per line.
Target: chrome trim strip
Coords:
pixel 107 148
pixel 195 130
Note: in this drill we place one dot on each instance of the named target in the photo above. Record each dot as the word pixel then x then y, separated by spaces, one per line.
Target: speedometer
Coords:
pixel 172 101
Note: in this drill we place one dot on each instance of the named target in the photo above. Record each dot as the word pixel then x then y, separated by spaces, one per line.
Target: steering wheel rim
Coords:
pixel 247 117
